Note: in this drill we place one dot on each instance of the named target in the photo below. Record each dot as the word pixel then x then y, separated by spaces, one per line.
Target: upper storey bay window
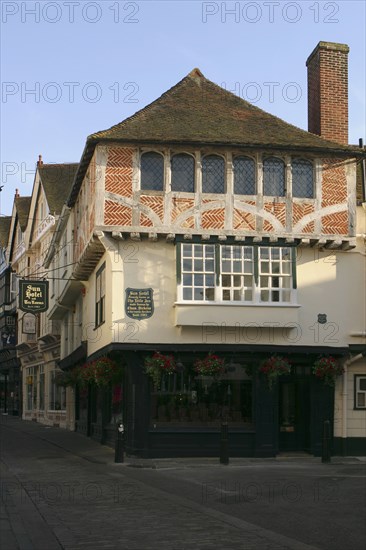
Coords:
pixel 214 171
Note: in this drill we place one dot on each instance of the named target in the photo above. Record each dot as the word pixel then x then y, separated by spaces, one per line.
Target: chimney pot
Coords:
pixel 17 193
pixel 40 161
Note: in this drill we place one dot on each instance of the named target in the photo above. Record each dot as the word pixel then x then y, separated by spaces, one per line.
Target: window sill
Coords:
pixel 229 314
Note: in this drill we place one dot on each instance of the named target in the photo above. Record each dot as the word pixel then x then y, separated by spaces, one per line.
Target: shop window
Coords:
pixel 152 171
pixel 31 388
pixel 100 296
pixel 41 388
pixel 236 273
pixel 57 395
pixel 213 174
pixel 273 177
pixel 191 400
pixel 302 179
pixel 244 176
pixel 182 169
pixel 360 391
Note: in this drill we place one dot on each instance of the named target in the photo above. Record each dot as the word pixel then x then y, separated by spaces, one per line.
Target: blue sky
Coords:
pixel 71 68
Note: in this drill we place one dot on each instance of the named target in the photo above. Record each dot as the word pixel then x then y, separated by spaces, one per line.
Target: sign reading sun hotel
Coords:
pixel 33 296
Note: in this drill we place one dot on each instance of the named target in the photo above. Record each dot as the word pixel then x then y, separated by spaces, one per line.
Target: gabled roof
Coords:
pixel 198 111
pixel 5 222
pixel 57 181
pixel 22 206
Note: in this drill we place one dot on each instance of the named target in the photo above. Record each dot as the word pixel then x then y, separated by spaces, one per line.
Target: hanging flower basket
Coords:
pixel 327 369
pixel 102 372
pixel 67 378
pixel 211 365
pixel 273 367
pixel 159 364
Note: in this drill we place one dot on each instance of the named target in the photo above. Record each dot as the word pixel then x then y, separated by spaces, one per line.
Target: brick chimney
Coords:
pixel 328 91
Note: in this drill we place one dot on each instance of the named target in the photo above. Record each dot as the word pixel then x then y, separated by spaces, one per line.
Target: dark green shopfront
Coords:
pixel 183 415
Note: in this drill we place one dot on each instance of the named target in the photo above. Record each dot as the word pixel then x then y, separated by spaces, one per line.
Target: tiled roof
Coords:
pixel 198 111
pixel 57 181
pixel 5 222
pixel 22 205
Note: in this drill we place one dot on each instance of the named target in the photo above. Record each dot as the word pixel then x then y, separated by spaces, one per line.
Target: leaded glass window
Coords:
pixel 213 174
pixel 302 178
pixel 244 176
pixel 273 177
pixel 152 171
pixel 182 166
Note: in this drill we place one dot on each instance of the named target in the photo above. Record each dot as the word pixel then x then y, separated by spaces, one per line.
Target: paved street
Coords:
pixel 62 491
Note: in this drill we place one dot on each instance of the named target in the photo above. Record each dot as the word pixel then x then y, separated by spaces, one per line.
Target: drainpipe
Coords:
pixel 344 398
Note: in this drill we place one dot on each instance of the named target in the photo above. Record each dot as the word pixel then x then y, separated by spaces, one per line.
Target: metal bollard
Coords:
pixel 224 444
pixel 326 442
pixel 119 450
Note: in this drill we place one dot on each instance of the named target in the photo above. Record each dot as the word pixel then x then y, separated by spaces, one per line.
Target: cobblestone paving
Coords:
pixel 55 499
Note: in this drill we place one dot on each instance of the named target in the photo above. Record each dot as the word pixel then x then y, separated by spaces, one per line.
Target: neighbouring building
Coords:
pixel 38 338
pixel 203 225
pixel 9 365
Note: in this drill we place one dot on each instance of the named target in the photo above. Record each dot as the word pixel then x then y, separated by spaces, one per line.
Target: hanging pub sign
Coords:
pixel 28 323
pixel 33 296
pixel 139 303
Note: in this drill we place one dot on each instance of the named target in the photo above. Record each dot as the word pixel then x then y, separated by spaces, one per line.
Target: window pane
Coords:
pixel 286 295
pixel 187 250
pixel 198 265
pixel 226 280
pixel 210 294
pixel 302 178
pixel 264 295
pixel 264 267
pixel 209 251
pixel 226 295
pixel 244 176
pixel 187 294
pixel 182 167
pixel 198 250
pixel 152 171
pixel 273 177
pixel 226 266
pixel 237 280
pixel 198 294
pixel 248 267
pixel 361 400
pixel 187 279
pixel 213 174
pixel 362 384
pixel 198 280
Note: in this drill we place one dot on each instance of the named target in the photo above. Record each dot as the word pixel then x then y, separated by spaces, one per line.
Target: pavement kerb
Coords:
pixel 92 451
